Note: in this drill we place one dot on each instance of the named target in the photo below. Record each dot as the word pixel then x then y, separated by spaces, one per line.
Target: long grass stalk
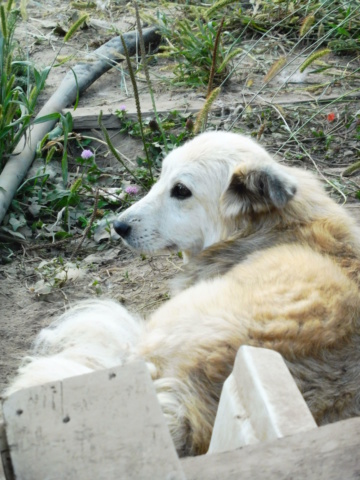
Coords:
pixel 115 152
pixel 137 104
pixel 147 75
pixel 201 119
pixel 214 58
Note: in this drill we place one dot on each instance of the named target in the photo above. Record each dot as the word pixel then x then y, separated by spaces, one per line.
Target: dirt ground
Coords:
pixel 140 283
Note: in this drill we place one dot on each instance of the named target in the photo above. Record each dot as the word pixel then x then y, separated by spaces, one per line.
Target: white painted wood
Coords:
pixel 260 401
pixel 3 452
pixel 105 425
pixel 331 452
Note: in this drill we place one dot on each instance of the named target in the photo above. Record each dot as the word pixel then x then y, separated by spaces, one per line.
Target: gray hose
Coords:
pixel 105 57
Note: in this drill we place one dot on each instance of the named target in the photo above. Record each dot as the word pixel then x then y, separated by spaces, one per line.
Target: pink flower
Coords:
pixel 132 190
pixel 331 116
pixel 86 154
pixel 122 108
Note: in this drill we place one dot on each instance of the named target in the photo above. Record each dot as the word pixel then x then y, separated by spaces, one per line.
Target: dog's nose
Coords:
pixel 121 228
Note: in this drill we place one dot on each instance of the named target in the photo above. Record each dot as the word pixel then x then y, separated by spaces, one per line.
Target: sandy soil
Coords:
pixel 140 284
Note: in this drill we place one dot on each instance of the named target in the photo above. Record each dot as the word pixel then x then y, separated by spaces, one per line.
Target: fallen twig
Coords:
pixel 51 244
pixel 91 221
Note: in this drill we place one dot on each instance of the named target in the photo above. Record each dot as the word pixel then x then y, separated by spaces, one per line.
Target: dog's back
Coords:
pixel 310 219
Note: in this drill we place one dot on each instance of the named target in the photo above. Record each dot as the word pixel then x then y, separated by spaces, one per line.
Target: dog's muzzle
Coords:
pixel 121 228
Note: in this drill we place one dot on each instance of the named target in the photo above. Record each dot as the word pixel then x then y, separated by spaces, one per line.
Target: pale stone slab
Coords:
pixel 331 452
pixel 105 425
pixel 259 401
pixel 5 463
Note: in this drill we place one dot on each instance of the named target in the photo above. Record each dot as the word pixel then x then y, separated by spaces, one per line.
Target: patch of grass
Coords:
pixel 158 144
pixel 18 97
pixel 190 45
pixel 276 39
pixel 302 18
pixel 66 210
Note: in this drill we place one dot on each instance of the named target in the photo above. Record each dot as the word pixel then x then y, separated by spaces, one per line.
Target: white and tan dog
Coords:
pixel 272 262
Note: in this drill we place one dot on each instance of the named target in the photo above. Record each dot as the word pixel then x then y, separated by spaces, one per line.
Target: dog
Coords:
pixel 270 261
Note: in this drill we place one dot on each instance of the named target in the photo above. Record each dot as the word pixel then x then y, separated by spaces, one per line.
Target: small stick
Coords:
pixel 214 57
pixel 91 221
pixel 50 244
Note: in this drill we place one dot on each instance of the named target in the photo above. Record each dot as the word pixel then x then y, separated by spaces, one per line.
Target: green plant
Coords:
pixel 304 18
pixel 55 273
pixel 138 107
pixel 191 45
pixel 61 211
pixel 17 101
pixel 158 143
pixel 61 133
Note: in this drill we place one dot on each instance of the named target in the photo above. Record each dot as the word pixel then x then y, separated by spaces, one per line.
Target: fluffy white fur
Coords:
pixel 92 335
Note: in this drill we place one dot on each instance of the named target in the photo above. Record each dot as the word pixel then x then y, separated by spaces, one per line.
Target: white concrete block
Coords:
pixel 104 425
pixel 331 452
pixel 260 401
pixel 5 464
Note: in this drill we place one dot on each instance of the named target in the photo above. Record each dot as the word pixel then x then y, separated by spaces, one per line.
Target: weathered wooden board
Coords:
pixel 5 463
pixel 87 117
pixel 259 401
pixel 103 426
pixel 354 210
pixel 331 452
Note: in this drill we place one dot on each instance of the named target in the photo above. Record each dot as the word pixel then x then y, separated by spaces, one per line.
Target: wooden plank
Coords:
pixel 87 117
pixel 331 452
pixel 103 426
pixel 354 210
pixel 5 462
pixel 260 401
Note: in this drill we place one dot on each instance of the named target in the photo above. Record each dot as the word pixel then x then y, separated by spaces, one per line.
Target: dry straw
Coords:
pixel 201 118
pixel 275 69
pixel 306 25
pixel 313 57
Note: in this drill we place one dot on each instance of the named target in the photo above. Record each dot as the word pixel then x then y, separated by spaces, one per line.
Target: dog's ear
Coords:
pixel 258 189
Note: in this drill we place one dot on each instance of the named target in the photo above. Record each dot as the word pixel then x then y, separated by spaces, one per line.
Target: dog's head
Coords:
pixel 204 188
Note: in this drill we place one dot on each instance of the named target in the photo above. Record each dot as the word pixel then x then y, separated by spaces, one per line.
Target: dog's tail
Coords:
pixel 92 335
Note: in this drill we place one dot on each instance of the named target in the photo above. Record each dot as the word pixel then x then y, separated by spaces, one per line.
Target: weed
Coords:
pixel 61 211
pixel 137 103
pixel 314 56
pixel 271 35
pixel 191 45
pixel 17 101
pixel 75 27
pixel 304 18
pixel 158 143
pixel 147 75
pixel 201 118
pixel 54 274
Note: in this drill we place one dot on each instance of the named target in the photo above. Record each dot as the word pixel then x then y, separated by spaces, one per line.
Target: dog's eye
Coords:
pixel 180 191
